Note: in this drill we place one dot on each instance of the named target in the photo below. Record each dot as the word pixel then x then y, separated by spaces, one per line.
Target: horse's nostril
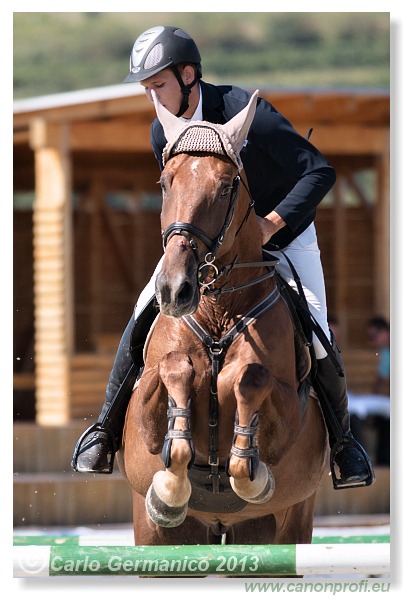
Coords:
pixel 185 293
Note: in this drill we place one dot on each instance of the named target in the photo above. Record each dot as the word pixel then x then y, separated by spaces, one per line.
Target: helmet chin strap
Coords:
pixel 185 89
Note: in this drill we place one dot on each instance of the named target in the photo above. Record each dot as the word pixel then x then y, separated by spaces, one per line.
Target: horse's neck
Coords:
pixel 247 248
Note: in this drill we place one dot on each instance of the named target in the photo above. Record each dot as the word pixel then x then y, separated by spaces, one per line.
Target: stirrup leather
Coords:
pixel 92 429
pixel 337 447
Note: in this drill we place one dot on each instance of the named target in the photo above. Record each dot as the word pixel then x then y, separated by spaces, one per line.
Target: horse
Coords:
pixel 219 443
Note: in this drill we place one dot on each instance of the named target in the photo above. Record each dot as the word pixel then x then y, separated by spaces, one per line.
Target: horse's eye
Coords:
pixel 225 192
pixel 165 183
pixel 163 189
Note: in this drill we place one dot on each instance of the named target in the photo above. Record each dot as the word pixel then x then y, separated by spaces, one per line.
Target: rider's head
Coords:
pixel 161 48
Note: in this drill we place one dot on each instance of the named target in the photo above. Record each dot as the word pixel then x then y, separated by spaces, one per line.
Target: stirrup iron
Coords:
pixel 92 429
pixel 337 447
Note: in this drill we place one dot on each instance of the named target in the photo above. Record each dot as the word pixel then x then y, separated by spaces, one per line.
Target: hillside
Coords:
pixel 58 52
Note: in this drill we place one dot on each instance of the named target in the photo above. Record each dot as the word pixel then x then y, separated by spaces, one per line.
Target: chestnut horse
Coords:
pixel 217 438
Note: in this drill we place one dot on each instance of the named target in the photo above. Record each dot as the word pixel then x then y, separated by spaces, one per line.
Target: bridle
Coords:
pixel 193 233
pixel 190 232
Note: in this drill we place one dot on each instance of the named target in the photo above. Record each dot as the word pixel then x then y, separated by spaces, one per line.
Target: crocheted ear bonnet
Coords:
pixel 202 136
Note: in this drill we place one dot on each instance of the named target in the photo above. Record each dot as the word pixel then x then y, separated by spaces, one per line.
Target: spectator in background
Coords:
pixel 379 338
pixel 370 411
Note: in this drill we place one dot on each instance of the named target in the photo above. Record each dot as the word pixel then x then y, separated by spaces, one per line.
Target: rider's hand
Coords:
pixel 269 225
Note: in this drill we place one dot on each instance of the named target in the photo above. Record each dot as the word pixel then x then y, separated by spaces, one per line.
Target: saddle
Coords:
pixel 304 353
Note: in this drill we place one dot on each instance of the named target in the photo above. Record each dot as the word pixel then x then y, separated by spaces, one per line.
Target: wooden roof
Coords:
pixel 344 121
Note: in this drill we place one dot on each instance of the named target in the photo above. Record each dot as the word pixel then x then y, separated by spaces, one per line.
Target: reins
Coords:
pixel 207 290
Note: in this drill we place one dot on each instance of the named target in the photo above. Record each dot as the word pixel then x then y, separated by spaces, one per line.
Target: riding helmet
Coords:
pixel 161 47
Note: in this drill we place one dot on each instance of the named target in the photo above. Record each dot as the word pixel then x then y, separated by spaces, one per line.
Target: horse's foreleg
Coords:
pixel 168 496
pixel 250 478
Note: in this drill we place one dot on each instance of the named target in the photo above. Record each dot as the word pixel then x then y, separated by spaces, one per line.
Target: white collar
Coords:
pixel 198 113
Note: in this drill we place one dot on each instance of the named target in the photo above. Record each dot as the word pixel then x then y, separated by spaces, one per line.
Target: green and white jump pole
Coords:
pixel 198 561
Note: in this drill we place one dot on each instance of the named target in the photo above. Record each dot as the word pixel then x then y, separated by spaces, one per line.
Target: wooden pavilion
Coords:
pixel 86 231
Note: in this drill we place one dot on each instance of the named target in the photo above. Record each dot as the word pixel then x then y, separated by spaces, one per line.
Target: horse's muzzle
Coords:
pixel 177 295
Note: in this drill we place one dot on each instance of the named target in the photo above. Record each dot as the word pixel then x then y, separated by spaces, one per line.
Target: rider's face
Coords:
pixel 167 89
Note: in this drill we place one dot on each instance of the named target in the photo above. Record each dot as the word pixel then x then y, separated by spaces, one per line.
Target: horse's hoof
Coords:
pixel 161 514
pixel 258 491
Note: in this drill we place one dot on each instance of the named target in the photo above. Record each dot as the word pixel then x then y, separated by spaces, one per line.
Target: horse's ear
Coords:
pixel 237 128
pixel 170 123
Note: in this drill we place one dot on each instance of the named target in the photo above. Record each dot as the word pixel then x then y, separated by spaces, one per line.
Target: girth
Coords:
pixel 217 350
pixel 202 498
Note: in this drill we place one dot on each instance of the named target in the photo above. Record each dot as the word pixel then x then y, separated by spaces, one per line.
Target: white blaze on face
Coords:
pixel 195 165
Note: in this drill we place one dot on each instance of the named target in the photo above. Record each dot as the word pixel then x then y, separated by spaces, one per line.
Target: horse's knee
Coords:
pixel 253 381
pixel 176 368
pixel 252 387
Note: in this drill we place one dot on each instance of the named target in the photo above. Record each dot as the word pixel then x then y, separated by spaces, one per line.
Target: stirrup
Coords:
pixel 338 446
pixel 91 429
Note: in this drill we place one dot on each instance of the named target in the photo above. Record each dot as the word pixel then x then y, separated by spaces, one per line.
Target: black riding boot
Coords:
pixel 352 460
pixel 96 448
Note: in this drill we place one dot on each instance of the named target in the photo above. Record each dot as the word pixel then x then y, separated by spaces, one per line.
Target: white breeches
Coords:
pixel 148 292
pixel 304 254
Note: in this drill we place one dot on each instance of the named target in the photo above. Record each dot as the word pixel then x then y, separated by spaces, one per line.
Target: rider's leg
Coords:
pixel 95 450
pixel 305 256
pixel 353 462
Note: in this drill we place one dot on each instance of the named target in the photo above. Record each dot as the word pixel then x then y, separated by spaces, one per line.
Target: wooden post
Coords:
pixel 382 237
pixel 53 275
pixel 340 260
pixel 95 198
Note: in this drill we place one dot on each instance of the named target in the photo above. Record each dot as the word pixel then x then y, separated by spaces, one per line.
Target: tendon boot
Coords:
pixel 96 448
pixel 352 460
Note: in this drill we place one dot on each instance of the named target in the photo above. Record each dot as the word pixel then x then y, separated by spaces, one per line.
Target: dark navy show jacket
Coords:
pixel 285 172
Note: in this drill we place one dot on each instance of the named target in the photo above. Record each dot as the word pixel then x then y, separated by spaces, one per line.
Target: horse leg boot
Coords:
pixel 251 479
pixel 352 460
pixel 96 448
pixel 168 495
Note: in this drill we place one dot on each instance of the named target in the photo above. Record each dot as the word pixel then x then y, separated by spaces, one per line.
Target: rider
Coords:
pixel 287 177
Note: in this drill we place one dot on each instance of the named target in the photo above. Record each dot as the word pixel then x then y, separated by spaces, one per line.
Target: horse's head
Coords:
pixel 199 218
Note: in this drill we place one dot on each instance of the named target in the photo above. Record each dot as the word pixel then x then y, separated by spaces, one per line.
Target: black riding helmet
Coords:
pixel 159 48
